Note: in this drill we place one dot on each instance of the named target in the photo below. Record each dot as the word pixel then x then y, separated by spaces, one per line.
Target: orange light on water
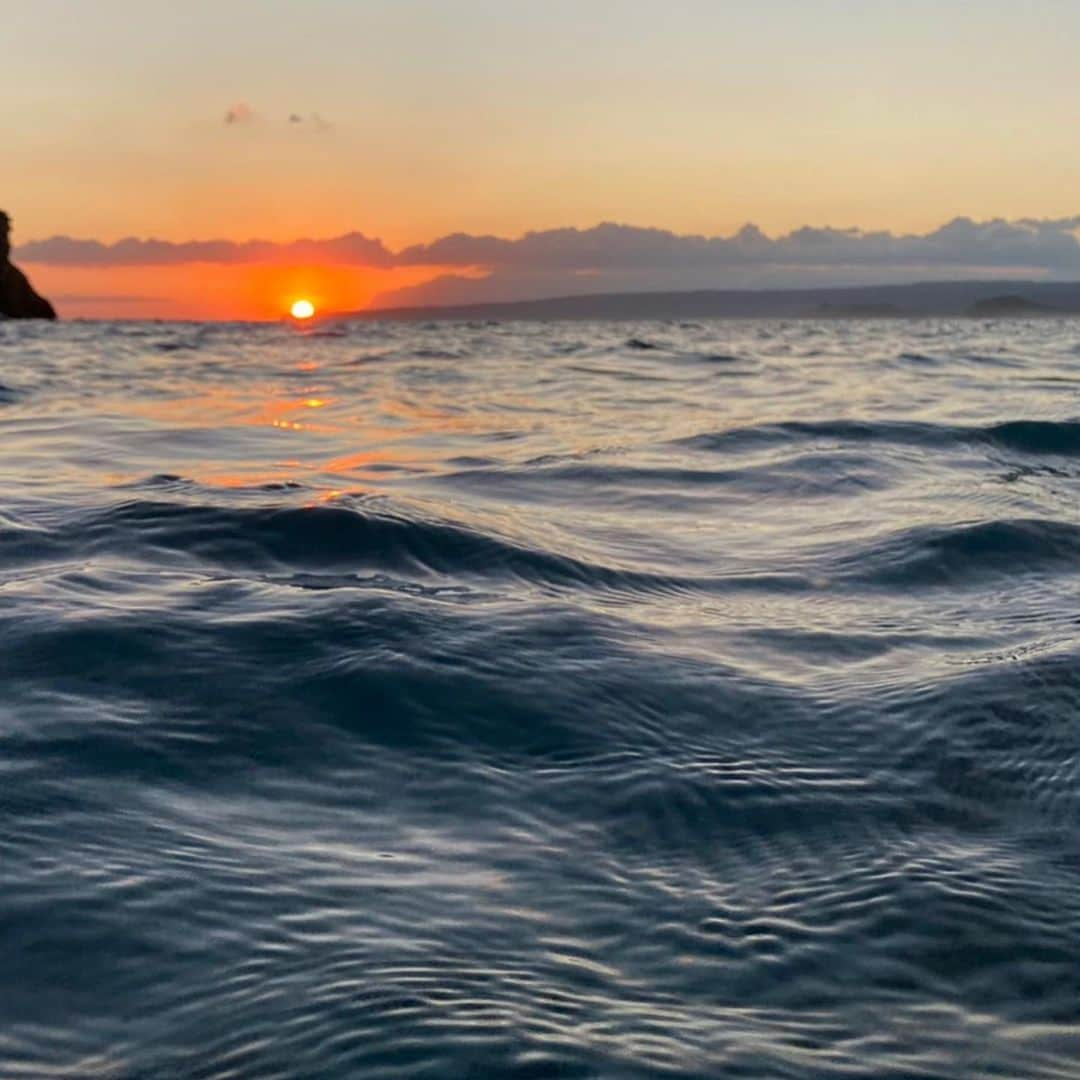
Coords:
pixel 302 309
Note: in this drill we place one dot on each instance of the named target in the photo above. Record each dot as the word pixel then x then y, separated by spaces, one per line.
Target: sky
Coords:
pixel 407 121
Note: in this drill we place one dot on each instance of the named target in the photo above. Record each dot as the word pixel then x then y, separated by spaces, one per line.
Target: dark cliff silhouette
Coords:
pixel 18 300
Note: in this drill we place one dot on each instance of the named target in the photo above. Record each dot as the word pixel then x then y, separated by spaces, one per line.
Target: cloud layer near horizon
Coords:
pixel 609 257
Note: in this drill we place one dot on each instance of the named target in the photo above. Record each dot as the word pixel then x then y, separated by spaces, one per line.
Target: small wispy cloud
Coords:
pixel 240 113
pixel 313 121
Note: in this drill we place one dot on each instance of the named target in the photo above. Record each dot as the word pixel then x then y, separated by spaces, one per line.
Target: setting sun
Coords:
pixel 302 309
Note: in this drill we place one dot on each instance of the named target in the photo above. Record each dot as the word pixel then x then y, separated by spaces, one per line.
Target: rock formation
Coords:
pixel 18 300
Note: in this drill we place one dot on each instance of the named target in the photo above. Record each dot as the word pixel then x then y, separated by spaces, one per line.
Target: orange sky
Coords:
pixel 209 291
pixel 412 119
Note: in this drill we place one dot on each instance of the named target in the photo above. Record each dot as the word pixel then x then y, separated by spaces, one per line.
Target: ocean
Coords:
pixel 567 700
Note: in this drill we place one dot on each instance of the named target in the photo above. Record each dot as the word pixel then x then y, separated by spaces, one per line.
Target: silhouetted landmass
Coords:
pixel 1012 305
pixel 859 311
pixel 18 300
pixel 940 298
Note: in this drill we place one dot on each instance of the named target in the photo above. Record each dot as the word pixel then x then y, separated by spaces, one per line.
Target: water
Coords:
pixel 573 700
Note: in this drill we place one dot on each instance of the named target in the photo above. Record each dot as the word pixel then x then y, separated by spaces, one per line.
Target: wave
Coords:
pixel 850 431
pixel 1057 437
pixel 959 555
pixel 261 542
pixel 335 546
pixel 266 540
pixel 676 487
pixel 1034 437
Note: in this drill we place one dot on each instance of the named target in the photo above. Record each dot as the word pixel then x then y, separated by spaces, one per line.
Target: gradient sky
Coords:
pixel 419 119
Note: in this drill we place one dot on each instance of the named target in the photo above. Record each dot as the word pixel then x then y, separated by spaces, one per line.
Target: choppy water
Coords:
pixel 581 700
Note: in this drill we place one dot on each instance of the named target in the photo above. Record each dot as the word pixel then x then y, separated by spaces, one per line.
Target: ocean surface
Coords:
pixel 540 700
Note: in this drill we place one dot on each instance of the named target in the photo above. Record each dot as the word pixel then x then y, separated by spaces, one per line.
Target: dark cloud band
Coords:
pixel 1047 246
pixel 614 258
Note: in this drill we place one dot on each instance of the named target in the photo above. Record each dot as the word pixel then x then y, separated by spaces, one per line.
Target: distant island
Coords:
pixel 974 299
pixel 859 311
pixel 1010 307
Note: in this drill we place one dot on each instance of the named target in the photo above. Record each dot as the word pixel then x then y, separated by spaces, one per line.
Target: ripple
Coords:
pixel 537 703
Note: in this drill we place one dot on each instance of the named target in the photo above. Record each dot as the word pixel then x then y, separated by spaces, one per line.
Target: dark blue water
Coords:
pixel 535 701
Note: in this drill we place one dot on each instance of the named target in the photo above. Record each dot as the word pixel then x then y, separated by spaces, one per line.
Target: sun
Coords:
pixel 302 309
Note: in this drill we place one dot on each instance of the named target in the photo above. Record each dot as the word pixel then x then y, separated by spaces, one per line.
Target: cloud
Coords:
pixel 244 115
pixel 313 121
pixel 1047 245
pixel 240 113
pixel 352 248
pixel 613 257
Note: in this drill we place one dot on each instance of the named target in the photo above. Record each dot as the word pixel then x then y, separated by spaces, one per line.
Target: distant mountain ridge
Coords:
pixel 975 298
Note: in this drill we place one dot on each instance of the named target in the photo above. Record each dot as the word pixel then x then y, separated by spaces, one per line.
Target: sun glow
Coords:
pixel 302 309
